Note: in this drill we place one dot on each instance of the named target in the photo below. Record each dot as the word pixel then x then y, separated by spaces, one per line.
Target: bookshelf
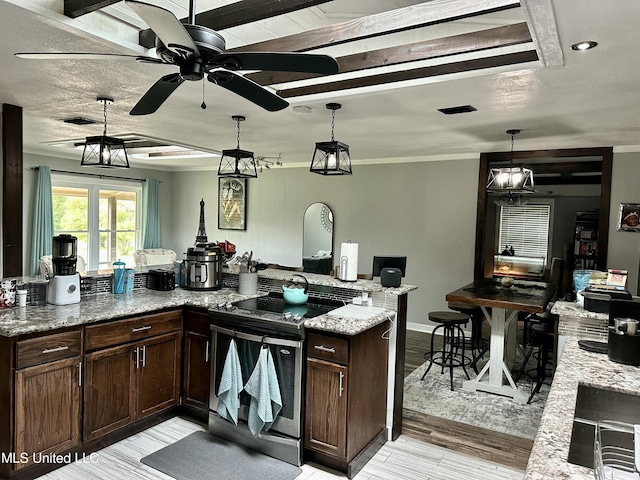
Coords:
pixel 585 245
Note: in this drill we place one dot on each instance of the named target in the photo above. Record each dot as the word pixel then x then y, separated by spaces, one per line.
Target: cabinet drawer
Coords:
pixel 36 351
pixel 195 321
pixel 132 329
pixel 328 347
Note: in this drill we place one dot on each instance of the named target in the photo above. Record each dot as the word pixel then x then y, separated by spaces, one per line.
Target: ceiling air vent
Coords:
pixel 455 110
pixel 79 121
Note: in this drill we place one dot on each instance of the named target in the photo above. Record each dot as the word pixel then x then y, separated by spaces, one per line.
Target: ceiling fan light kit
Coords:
pixel 237 163
pixel 514 179
pixel 104 151
pixel 333 157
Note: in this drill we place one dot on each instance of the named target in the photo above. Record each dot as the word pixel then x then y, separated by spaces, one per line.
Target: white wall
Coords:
pixel 425 210
pixel 164 192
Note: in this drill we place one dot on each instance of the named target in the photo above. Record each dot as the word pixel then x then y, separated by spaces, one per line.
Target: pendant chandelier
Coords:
pixel 235 162
pixel 514 179
pixel 331 158
pixel 104 151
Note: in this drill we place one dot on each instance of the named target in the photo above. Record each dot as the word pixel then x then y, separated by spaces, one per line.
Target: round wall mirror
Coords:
pixel 317 239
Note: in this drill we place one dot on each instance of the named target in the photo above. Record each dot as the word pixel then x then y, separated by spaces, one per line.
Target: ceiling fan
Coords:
pixel 200 51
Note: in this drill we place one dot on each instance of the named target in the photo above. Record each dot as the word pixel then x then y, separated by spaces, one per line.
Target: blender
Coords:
pixel 64 287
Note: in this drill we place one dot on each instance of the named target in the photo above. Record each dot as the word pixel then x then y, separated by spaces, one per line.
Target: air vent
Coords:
pixel 79 121
pixel 456 110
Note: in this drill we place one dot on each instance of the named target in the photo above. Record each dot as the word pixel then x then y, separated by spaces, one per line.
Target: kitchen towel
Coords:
pixel 263 387
pixel 230 385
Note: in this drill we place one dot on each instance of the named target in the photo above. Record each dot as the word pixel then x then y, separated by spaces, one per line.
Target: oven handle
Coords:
pixel 258 338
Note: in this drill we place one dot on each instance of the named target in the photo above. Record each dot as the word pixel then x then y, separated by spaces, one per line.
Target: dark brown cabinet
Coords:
pixel 47 395
pixel 197 362
pixel 345 419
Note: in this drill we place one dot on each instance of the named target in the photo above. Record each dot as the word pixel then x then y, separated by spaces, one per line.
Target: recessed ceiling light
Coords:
pixel 580 46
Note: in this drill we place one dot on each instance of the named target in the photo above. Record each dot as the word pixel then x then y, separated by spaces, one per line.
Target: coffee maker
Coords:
pixel 64 287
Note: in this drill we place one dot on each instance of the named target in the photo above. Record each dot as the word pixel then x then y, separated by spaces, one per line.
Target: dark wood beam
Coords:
pixel 77 8
pixel 434 48
pixel 413 74
pixel 561 154
pixel 401 19
pixel 568 180
pixel 238 13
pixel 560 167
pixel 11 190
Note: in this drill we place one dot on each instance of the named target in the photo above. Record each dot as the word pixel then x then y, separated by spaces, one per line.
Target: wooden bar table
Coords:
pixel 524 296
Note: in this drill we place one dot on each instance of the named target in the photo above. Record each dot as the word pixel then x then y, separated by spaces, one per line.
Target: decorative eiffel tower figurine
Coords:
pixel 201 237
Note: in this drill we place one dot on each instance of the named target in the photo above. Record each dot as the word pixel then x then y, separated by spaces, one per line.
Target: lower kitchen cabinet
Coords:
pixel 197 362
pixel 345 418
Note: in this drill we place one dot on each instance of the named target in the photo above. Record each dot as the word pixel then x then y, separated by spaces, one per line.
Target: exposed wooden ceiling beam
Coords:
pixel 77 8
pixel 569 180
pixel 416 73
pixel 401 19
pixel 238 13
pixel 435 48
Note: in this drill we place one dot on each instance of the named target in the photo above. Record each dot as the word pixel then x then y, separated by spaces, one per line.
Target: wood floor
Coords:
pixel 498 447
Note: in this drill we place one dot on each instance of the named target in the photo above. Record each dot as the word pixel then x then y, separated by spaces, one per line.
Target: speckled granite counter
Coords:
pixel 575 321
pixel 548 458
pixel 346 325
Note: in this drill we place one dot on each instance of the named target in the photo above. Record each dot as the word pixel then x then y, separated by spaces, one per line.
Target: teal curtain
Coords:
pixel 150 214
pixel 42 228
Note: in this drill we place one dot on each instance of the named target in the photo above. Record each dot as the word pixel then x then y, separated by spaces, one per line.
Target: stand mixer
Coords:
pixel 64 287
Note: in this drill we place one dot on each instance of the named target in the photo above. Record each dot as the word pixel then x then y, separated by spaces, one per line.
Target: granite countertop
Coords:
pixel 572 309
pixel 32 319
pixel 551 447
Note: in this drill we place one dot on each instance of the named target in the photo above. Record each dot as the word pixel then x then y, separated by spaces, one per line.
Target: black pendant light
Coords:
pixel 235 162
pixel 331 158
pixel 104 151
pixel 513 179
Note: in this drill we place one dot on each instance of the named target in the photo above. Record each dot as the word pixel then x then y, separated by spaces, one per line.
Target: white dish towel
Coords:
pixel 230 385
pixel 264 389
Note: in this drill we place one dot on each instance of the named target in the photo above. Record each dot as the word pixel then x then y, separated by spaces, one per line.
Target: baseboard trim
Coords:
pixel 420 327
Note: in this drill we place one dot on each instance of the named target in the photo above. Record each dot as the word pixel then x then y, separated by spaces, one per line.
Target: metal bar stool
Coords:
pixel 476 344
pixel 452 353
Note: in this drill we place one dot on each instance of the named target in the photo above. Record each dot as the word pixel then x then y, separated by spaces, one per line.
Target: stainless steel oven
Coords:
pixel 253 323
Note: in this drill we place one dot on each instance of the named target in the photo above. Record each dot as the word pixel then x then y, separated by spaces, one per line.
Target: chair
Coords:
pixel 452 353
pixel 476 343
pixel 154 256
pixel 46 265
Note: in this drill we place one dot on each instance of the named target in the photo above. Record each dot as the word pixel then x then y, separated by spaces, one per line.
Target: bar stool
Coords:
pixel 453 341
pixel 543 338
pixel 476 343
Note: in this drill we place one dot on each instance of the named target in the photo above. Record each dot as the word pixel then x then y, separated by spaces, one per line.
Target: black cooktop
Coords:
pixel 277 305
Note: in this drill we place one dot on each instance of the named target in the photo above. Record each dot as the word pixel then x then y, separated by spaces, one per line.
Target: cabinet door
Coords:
pixel 326 402
pixel 158 374
pixel 109 390
pixel 196 370
pixel 48 409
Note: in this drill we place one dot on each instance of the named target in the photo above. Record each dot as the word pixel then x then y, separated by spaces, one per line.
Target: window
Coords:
pixel 526 228
pixel 105 217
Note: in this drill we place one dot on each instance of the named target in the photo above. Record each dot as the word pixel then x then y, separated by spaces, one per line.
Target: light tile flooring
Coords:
pixel 406 458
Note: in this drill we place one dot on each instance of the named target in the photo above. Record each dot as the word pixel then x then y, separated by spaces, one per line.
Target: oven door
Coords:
pixel 287 358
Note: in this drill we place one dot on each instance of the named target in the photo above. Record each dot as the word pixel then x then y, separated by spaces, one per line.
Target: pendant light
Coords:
pixel 514 179
pixel 235 162
pixel 104 151
pixel 331 158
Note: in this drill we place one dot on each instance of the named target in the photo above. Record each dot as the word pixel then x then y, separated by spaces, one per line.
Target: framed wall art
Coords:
pixel 232 203
pixel 629 217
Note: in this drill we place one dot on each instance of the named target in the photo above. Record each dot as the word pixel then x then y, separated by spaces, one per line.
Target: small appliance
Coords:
pixel 64 287
pixel 161 279
pixel 204 267
pixel 390 277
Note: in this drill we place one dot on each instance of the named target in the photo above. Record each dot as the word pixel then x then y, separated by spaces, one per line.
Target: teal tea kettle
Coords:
pixel 295 294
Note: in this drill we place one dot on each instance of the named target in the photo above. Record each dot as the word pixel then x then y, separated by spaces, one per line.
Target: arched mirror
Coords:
pixel 317 239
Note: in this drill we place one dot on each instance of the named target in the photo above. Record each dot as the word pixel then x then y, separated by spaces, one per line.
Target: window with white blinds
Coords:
pixel 525 228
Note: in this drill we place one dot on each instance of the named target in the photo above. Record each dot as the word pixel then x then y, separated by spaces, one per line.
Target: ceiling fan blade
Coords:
pixel 248 89
pixel 279 62
pixel 157 94
pixel 167 28
pixel 86 56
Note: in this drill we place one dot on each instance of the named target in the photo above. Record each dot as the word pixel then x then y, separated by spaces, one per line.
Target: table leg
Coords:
pixel 496 366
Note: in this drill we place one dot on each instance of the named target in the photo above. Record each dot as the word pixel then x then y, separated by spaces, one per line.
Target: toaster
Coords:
pixel 161 279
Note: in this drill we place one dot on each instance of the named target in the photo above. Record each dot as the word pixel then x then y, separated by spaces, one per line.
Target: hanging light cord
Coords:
pixel 238 138
pixel 104 112
pixel 333 121
pixel 512 135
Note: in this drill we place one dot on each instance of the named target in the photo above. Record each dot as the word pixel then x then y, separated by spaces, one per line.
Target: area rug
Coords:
pixel 433 396
pixel 201 456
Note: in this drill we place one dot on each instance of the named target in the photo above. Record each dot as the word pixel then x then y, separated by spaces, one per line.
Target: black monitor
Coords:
pixel 391 261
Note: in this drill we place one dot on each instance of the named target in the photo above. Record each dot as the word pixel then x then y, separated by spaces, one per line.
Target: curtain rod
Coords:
pixel 96 175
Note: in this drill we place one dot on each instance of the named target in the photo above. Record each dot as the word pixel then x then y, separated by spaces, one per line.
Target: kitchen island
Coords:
pixel 576 367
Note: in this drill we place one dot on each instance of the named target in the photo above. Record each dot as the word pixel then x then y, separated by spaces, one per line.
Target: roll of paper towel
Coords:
pixel 348 262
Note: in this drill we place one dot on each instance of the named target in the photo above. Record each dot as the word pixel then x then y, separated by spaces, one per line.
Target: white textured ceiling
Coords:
pixel 590 101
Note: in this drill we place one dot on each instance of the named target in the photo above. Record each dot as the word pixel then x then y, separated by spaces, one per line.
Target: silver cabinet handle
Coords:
pixel 141 329
pixel 56 349
pixel 80 373
pixel 206 351
pixel 341 389
pixel 144 355
pixel 325 349
pixel 137 357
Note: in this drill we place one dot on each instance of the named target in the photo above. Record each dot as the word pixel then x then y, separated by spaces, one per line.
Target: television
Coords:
pixel 391 261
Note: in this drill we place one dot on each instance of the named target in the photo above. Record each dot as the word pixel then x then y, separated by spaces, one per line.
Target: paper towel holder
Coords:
pixel 348 267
